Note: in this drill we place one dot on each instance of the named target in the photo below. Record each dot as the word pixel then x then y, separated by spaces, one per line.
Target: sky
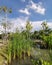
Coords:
pixel 36 11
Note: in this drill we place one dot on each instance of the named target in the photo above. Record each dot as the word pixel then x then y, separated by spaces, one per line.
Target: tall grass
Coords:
pixel 19 47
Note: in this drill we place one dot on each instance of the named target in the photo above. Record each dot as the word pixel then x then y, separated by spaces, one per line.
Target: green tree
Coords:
pixel 28 29
pixel 28 26
pixel 45 28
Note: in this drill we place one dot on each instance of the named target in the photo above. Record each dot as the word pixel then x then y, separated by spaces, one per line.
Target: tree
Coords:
pixel 5 24
pixel 28 26
pixel 45 28
pixel 44 25
pixel 28 29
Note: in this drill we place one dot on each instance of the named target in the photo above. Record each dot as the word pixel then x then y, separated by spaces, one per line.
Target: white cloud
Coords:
pixel 25 11
pixel 50 24
pixel 37 7
pixel 21 22
pixel 36 25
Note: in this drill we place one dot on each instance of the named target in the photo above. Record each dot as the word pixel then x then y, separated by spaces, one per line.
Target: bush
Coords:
pixel 48 40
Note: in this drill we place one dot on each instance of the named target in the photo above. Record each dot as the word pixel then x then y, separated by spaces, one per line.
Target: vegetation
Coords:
pixel 20 46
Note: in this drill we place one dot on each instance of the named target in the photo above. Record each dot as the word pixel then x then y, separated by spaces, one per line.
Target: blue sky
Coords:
pixel 19 5
pixel 34 10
